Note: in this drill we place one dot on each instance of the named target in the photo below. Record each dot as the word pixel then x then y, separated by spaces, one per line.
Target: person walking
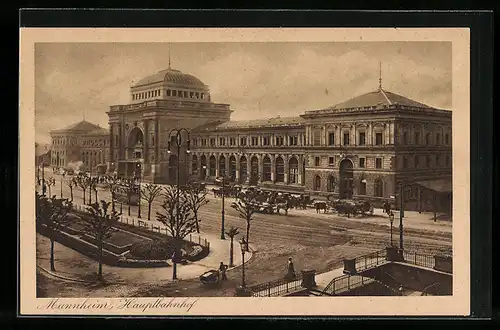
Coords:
pixel 290 275
pixel 222 269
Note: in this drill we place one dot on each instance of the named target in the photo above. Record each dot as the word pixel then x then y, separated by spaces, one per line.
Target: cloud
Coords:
pixel 257 80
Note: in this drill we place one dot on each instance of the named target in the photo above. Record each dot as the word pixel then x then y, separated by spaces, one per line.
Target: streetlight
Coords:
pixel 401 214
pixel 44 188
pixel 222 211
pixel 178 140
pixel 204 172
pixel 139 174
pixel 391 220
pixel 243 246
pixel 61 188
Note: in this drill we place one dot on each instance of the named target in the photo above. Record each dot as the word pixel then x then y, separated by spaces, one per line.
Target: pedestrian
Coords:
pixel 290 275
pixel 223 269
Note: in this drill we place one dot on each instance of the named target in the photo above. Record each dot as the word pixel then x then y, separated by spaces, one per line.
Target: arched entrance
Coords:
pixel 232 168
pixel 222 166
pixel 346 179
pixel 266 169
pixel 378 188
pixel 243 169
pixel 203 163
pixel 280 170
pixel 212 163
pixel 194 165
pixel 254 168
pixel 293 171
pixel 135 143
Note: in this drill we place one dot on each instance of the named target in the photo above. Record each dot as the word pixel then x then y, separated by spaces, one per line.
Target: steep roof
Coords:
pixel 81 126
pixel 255 123
pixel 98 131
pixel 379 97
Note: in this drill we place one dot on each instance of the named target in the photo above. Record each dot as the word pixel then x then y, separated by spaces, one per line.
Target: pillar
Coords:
pixel 249 169
pixel 237 168
pixel 273 168
pixel 217 166
pixel 285 169
pixel 260 169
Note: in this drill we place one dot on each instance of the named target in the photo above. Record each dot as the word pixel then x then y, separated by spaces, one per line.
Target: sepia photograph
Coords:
pixel 191 169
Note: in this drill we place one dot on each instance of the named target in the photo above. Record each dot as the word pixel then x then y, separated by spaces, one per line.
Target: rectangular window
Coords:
pixel 362 138
pixel 204 142
pixel 378 162
pixel 212 142
pixel 331 139
pixel 331 161
pixel 447 139
pixel 243 141
pixel 346 139
pixel 232 141
pixel 279 140
pixel 427 138
pixel 362 163
pixel 438 138
pixel 428 161
pixel 417 137
pixel 316 138
pixel 293 140
pixel 447 160
pixel 417 162
pixel 255 140
pixel 222 141
pixel 405 138
pixel 265 141
pixel 378 139
pixel 174 92
pixel 316 161
pixel 438 161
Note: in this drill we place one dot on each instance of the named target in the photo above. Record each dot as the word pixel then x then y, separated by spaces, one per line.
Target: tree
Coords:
pixel 99 224
pixel 149 194
pixel 71 184
pixel 178 219
pixel 196 198
pixel 246 209
pixel 112 184
pixel 52 213
pixel 232 232
pixel 83 182
pixel 50 181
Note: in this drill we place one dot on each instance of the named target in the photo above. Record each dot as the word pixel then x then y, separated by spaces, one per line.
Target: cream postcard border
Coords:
pixel 458 304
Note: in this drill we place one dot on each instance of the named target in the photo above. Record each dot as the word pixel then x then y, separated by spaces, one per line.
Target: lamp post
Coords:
pixel 43 178
pixel 139 174
pixel 401 214
pixel 222 211
pixel 204 172
pixel 90 184
pixel 178 140
pixel 61 188
pixel 391 220
pixel 243 246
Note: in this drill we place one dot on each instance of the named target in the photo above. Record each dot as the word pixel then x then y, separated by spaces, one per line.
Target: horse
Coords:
pixel 320 206
pixel 282 206
pixel 387 207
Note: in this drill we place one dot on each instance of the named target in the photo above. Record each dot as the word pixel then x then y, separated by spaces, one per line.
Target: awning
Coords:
pixel 441 186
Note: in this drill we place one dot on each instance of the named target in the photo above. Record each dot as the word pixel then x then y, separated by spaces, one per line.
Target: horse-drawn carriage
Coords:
pixel 350 207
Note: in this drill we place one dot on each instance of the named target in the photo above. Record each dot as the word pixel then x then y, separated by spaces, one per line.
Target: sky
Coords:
pixel 258 80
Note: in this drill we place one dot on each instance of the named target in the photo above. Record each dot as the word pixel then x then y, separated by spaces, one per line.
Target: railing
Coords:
pixel 151 227
pixel 425 292
pixel 276 288
pixel 371 260
pixel 423 260
pixel 345 283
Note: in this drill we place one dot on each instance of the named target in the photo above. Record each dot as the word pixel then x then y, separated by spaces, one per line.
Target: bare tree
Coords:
pixel 71 184
pixel 53 213
pixel 84 183
pixel 246 209
pixel 99 224
pixel 149 194
pixel 232 232
pixel 50 182
pixel 112 184
pixel 178 219
pixel 196 198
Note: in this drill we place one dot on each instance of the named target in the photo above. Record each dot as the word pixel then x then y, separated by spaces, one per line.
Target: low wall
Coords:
pixel 370 289
pixel 412 277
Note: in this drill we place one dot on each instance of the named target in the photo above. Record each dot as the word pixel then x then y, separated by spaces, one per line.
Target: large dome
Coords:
pixel 172 76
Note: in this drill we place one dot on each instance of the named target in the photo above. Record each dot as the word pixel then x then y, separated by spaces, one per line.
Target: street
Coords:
pixel 313 241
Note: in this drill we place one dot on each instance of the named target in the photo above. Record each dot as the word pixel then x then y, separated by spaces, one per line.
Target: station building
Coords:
pixel 377 146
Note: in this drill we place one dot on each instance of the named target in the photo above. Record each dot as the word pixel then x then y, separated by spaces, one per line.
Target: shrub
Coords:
pixel 152 250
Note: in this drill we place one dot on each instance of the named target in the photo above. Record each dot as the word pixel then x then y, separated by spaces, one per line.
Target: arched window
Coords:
pixel 232 167
pixel 243 169
pixel 378 188
pixel 317 183
pixel 222 166
pixel 331 184
pixel 211 165
pixel 293 170
pixel 254 167
pixel 280 170
pixel 266 170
